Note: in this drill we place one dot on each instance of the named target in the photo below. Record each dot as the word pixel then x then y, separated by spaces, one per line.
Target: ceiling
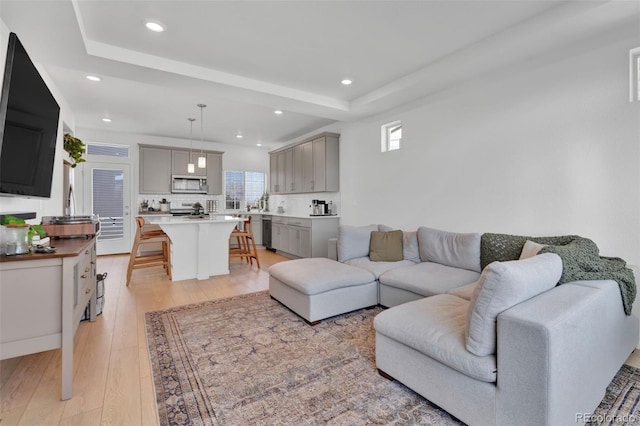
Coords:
pixel 245 59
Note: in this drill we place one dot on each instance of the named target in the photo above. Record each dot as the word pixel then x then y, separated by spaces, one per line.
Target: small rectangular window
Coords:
pixel 108 150
pixel 391 136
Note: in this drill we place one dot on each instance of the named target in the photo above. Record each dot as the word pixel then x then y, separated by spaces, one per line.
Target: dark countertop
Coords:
pixel 67 247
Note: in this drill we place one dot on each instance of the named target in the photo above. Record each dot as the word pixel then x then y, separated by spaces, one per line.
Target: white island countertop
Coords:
pixel 199 247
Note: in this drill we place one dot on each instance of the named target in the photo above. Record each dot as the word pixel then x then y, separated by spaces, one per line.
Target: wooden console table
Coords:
pixel 42 298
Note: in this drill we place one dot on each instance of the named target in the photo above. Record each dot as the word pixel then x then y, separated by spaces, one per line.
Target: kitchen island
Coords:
pixel 199 246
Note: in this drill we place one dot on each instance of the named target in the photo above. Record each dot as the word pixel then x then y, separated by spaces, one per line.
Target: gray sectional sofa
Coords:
pixel 501 345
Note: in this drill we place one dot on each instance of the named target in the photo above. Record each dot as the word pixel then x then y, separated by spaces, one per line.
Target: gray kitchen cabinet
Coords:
pixel 158 163
pixel 180 160
pixel 273 174
pixel 300 241
pixel 297 155
pixel 256 227
pixel 326 175
pixel 214 173
pixel 288 171
pixel 303 237
pixel 155 170
pixel 280 236
pixel 278 173
pixel 307 167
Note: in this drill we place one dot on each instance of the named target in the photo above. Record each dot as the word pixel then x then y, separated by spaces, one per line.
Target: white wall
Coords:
pixel 549 147
pixel 54 205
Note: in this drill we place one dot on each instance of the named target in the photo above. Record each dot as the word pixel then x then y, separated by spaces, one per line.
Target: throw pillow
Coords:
pixel 501 286
pixel 449 248
pixel 353 241
pixel 386 246
pixel 410 248
pixel 530 249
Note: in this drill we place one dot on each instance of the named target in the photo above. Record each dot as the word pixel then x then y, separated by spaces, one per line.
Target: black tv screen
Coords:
pixel 29 117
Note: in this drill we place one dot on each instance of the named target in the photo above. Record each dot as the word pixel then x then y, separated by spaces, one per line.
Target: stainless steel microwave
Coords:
pixel 188 184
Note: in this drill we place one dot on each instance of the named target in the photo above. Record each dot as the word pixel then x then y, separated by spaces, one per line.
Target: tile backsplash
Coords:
pixel 300 204
pixel 294 204
pixel 177 200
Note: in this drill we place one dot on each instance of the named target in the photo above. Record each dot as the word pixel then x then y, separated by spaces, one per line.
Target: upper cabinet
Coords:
pixel 309 166
pixel 158 163
pixel 155 170
pixel 278 173
pixel 214 173
pixel 180 160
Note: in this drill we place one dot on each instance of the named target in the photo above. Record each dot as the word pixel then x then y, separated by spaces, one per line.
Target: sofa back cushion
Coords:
pixel 449 248
pixel 353 241
pixel 410 249
pixel 501 286
pixel 385 246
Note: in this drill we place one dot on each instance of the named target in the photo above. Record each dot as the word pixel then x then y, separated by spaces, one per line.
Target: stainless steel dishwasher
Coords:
pixel 266 231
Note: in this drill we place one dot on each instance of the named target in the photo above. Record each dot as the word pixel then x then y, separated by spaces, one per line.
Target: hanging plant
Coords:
pixel 75 148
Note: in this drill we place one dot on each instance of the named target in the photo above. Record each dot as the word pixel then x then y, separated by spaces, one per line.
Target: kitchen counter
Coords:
pixel 65 247
pixel 285 214
pixel 244 213
pixel 199 247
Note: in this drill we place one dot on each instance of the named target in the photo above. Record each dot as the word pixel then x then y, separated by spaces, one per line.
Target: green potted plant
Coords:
pixel 19 234
pixel 75 147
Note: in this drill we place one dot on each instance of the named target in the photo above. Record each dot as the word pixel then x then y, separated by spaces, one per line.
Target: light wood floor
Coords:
pixel 112 383
pixel 112 379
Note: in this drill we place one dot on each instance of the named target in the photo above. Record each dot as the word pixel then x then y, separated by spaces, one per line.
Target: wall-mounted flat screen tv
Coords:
pixel 29 117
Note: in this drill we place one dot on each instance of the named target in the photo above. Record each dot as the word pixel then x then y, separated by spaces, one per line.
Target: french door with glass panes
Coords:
pixel 106 194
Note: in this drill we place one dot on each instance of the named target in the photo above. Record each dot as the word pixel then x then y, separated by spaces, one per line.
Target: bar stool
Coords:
pixel 137 261
pixel 246 243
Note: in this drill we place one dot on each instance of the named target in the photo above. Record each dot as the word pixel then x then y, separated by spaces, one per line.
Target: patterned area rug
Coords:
pixel 249 360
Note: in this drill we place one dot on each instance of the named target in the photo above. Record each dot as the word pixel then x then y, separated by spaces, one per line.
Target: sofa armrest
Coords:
pixel 558 351
pixel 333 248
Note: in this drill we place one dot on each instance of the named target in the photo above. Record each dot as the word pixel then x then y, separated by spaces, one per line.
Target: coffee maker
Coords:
pixel 319 208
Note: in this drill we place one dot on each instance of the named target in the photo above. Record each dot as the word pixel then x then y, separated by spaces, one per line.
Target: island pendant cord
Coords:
pixel 191 168
pixel 202 160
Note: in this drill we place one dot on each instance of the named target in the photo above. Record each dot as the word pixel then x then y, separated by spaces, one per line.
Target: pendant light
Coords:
pixel 191 168
pixel 202 160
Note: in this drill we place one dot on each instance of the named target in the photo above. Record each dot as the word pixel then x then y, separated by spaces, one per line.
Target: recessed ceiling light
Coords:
pixel 278 111
pixel 93 78
pixel 106 120
pixel 239 136
pixel 155 26
pixel 258 144
pixel 346 81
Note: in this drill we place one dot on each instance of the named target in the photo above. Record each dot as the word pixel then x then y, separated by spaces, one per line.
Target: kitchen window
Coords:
pixel 108 150
pixel 243 189
pixel 391 136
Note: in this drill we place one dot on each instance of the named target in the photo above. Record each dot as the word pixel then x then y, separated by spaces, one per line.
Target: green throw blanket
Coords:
pixel 580 260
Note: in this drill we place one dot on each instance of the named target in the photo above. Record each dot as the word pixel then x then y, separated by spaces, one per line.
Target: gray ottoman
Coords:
pixel 320 288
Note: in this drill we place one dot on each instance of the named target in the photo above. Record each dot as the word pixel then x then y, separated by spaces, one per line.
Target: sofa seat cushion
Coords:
pixel 378 268
pixel 435 326
pixel 464 291
pixel 319 275
pixel 428 278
